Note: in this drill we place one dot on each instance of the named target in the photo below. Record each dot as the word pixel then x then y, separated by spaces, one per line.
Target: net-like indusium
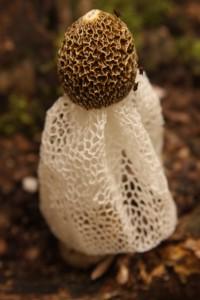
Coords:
pixel 102 185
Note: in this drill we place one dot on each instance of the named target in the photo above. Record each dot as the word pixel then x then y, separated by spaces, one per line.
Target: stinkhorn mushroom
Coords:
pixel 102 184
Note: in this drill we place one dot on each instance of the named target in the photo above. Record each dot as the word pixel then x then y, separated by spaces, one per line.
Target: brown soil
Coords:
pixel 31 267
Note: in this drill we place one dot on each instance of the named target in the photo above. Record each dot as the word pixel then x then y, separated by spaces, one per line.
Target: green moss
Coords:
pixel 21 115
pixel 154 13
pixel 139 14
pixel 46 67
pixel 188 48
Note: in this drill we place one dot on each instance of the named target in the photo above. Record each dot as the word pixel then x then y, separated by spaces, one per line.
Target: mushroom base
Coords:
pixel 77 259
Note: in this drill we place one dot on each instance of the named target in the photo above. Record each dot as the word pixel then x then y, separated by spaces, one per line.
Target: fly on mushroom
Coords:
pixel 135 86
pixel 116 12
pixel 141 70
pixel 103 190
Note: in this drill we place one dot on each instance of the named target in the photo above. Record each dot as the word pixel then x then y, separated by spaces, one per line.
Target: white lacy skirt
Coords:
pixel 102 185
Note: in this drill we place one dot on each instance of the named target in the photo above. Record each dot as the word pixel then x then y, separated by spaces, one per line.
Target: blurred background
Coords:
pixel 167 35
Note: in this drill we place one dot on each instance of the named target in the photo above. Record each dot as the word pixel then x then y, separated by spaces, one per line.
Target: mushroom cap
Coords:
pixel 97 61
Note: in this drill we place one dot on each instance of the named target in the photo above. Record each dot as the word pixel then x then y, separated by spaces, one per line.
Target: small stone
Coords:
pixel 32 253
pixel 30 184
pixel 184 153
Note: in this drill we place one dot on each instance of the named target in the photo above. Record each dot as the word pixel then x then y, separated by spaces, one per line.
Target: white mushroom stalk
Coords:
pixel 102 185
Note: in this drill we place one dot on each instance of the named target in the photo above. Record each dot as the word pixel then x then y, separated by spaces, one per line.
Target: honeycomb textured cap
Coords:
pixel 97 61
pixel 102 185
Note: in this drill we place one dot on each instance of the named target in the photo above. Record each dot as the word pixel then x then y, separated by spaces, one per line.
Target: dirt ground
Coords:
pixel 31 267
pixel 30 264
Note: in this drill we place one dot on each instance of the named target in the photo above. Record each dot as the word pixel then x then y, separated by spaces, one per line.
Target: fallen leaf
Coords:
pixel 193 245
pixel 183 261
pixel 158 272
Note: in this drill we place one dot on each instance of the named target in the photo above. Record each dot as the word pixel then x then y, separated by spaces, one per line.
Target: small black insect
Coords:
pixel 117 14
pixel 135 86
pixel 141 70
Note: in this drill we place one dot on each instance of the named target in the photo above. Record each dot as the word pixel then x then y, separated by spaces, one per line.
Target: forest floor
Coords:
pixel 31 267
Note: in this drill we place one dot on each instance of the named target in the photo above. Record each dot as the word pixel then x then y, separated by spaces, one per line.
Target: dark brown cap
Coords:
pixel 97 61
